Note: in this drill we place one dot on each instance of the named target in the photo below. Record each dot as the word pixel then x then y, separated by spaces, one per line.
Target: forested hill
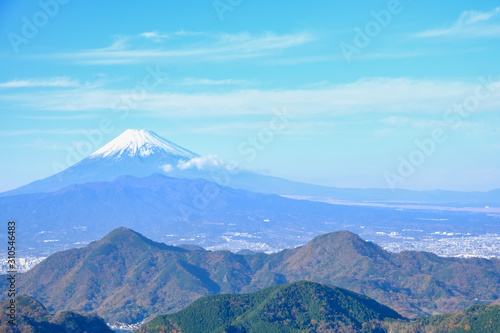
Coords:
pixel 295 307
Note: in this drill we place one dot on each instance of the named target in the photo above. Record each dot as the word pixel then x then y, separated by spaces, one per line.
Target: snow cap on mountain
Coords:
pixel 141 143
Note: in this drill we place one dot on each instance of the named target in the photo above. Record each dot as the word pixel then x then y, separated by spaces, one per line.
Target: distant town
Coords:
pixel 22 264
pixel 449 244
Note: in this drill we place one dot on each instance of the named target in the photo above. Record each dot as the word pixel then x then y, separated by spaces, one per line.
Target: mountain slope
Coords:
pixel 127 277
pixel 32 316
pixel 475 319
pixel 203 213
pixel 311 307
pixel 137 153
pixel 142 153
pixel 293 307
pixel 162 206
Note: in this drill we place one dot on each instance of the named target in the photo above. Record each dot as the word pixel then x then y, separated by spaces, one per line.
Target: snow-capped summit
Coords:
pixel 138 153
pixel 141 143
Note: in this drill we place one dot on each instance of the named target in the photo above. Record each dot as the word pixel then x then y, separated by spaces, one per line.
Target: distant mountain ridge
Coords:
pixel 196 209
pixel 141 153
pixel 159 204
pixel 126 277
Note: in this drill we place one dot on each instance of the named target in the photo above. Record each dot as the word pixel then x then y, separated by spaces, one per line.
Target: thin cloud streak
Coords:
pixel 225 47
pixel 40 132
pixel 470 24
pixel 60 81
pixel 159 37
pixel 367 96
pixel 155 36
pixel 209 82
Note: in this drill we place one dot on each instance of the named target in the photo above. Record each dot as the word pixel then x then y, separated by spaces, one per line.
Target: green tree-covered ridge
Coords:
pixel 311 307
pixel 293 307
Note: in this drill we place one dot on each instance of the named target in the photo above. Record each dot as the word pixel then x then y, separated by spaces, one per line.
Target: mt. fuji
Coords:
pixel 141 153
pixel 141 144
pixel 137 153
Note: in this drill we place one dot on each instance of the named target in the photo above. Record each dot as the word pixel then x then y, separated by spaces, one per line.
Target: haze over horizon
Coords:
pixel 211 80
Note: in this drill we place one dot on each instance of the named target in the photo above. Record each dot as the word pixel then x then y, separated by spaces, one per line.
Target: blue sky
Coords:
pixel 368 83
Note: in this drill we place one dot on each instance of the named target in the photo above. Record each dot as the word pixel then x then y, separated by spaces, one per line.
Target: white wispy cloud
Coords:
pixel 211 48
pixel 155 36
pixel 29 132
pixel 406 123
pixel 189 33
pixel 396 121
pixel 201 163
pixel 210 82
pixel 167 167
pixel 38 143
pixel 159 37
pixel 225 128
pixel 380 95
pixel 60 81
pixel 470 24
